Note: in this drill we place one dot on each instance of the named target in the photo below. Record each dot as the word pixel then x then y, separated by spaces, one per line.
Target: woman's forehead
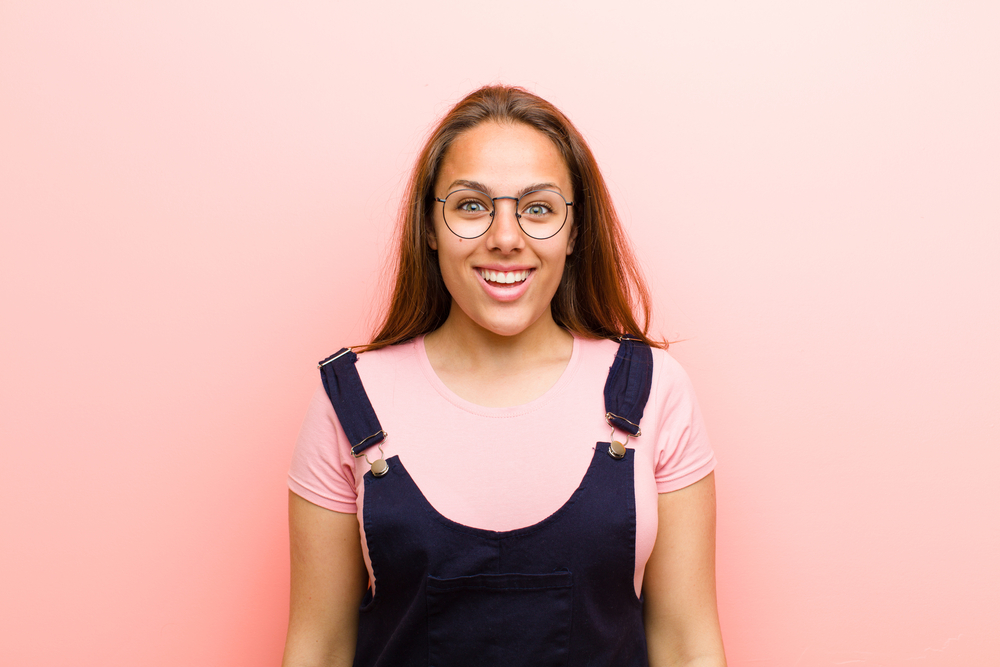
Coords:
pixel 509 157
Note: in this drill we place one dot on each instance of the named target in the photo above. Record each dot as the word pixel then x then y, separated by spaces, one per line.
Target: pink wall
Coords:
pixel 195 199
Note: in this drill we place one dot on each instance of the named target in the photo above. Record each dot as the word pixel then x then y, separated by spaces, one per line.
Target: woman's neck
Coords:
pixel 493 370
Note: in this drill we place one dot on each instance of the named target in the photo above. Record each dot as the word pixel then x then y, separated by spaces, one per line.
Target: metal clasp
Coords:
pixel 617 449
pixel 378 467
pixel 609 415
pixel 334 358
pixel 373 435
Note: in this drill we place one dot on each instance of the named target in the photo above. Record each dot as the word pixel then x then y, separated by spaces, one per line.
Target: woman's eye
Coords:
pixel 536 210
pixel 472 207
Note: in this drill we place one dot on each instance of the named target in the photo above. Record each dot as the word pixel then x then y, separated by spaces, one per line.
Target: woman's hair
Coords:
pixel 602 289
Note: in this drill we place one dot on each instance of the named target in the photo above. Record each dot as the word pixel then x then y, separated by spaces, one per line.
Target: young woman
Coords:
pixel 511 472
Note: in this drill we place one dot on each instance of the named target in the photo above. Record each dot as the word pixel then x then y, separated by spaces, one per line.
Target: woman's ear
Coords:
pixel 572 239
pixel 432 239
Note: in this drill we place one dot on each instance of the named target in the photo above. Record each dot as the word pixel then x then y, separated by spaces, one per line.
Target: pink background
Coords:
pixel 195 200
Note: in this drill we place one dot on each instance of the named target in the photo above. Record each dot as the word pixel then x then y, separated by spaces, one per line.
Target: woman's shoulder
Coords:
pixel 607 348
pixel 392 363
pixel 408 349
pixel 668 365
pixel 670 382
pixel 603 348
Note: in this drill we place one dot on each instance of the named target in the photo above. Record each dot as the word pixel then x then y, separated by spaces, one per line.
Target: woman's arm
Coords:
pixel 328 581
pixel 681 616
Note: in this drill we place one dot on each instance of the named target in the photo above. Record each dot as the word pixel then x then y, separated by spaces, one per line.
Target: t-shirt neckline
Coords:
pixel 485 411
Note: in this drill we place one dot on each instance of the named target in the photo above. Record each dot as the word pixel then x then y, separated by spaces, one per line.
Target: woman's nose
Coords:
pixel 505 232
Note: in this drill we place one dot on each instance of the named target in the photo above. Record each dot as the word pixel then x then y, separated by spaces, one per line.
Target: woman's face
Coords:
pixel 502 161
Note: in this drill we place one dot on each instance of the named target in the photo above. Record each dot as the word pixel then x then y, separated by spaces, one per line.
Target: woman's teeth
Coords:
pixel 503 278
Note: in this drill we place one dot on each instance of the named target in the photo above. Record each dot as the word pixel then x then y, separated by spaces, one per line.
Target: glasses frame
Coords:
pixel 493 200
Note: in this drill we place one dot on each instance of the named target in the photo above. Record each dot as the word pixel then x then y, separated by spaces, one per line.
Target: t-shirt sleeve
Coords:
pixel 322 469
pixel 683 452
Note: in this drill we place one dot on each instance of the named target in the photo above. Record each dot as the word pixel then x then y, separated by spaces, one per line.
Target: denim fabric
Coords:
pixel 347 394
pixel 557 593
pixel 627 388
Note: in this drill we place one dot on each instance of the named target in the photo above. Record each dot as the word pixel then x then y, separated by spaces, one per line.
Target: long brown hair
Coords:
pixel 602 289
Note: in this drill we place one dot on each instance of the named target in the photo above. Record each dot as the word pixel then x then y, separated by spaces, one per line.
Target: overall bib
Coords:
pixel 559 592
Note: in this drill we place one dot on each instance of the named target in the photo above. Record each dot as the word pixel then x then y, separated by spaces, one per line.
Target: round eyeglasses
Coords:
pixel 540 213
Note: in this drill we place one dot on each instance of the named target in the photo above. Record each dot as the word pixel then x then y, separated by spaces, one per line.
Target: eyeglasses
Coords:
pixel 540 213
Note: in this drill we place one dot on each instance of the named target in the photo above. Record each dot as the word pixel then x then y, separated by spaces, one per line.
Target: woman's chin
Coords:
pixel 512 327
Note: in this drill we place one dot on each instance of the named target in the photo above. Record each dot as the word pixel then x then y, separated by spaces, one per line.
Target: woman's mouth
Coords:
pixel 503 277
pixel 505 286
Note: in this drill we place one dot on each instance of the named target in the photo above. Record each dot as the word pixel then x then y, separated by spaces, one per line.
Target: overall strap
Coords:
pixel 627 388
pixel 347 394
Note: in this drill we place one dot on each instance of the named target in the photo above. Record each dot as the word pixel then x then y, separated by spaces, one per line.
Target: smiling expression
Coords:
pixel 504 280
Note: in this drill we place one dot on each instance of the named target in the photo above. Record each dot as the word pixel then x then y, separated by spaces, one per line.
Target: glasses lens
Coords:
pixel 468 213
pixel 543 213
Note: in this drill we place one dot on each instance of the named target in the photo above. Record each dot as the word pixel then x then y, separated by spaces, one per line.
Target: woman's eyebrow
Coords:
pixel 539 186
pixel 476 185
pixel 472 185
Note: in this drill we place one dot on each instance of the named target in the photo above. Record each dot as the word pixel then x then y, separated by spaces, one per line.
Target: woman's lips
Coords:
pixel 504 277
pixel 505 285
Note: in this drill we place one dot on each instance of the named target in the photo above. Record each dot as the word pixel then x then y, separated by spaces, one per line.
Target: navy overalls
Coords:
pixel 559 592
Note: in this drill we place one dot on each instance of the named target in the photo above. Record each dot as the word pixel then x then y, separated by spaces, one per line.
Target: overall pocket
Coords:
pixel 501 620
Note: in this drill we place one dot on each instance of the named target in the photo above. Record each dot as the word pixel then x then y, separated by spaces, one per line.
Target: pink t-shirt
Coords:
pixel 503 468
